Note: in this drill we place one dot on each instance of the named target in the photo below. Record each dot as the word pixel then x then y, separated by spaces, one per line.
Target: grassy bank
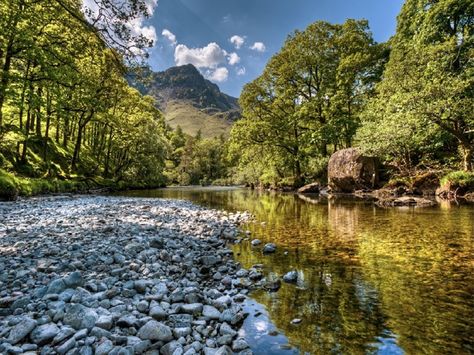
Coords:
pixel 12 186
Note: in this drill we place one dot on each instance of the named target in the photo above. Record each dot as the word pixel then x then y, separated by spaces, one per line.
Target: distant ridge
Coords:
pixel 189 100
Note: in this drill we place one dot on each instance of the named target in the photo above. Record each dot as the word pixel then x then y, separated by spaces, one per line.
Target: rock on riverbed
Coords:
pixel 112 275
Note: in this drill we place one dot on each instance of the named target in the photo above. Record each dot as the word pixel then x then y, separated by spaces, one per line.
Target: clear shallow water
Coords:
pixel 371 280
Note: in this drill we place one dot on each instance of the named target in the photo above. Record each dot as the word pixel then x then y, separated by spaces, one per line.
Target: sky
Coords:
pixel 230 41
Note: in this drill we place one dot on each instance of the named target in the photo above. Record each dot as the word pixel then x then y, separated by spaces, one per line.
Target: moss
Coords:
pixel 458 179
pixel 396 181
pixel 8 186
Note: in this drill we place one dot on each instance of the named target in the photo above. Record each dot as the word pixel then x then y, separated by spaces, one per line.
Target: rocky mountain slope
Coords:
pixel 189 100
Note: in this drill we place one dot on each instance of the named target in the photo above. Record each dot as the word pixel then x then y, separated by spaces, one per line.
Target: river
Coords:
pixel 371 280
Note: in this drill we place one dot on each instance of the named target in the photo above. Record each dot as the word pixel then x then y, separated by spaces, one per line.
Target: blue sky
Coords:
pixel 199 32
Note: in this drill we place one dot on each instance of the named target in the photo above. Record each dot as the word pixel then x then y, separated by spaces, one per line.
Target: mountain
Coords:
pixel 189 100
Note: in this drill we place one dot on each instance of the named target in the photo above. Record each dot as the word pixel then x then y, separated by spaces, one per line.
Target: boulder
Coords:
pixel 154 330
pixel 312 188
pixel 21 330
pixel 349 170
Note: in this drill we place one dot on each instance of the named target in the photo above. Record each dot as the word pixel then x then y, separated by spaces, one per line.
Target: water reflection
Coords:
pixel 372 280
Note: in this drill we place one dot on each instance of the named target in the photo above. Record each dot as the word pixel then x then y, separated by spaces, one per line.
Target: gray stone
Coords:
pixel 211 312
pixel 256 242
pixel 21 302
pixel 193 308
pixel 56 286
pixel 222 302
pixel 43 334
pixel 154 330
pixel 104 347
pixel 104 322
pixel 68 345
pixel 227 329
pixel 157 312
pixel 80 317
pixel 291 277
pixel 127 321
pixel 269 248
pixel 63 334
pixel 225 339
pixel 21 330
pixel 171 348
pixel 224 350
pixel 180 320
pixel 239 345
pixel 181 332
pixel 141 285
pixel 142 306
pixel 74 279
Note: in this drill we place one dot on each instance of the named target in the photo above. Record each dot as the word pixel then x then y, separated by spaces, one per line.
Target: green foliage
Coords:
pixel 65 108
pixel 424 102
pixel 196 160
pixel 307 101
pixel 461 179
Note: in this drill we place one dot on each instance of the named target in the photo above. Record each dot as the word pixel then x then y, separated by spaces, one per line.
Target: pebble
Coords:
pixel 115 275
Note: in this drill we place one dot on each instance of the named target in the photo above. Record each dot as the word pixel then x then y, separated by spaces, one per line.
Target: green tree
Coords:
pixel 428 83
pixel 308 99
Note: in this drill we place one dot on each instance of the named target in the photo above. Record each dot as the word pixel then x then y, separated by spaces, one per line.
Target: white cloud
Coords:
pixel 233 58
pixel 237 41
pixel 207 57
pixel 170 36
pixel 151 6
pixel 241 71
pixel 259 47
pixel 138 28
pixel 218 75
pixel 92 11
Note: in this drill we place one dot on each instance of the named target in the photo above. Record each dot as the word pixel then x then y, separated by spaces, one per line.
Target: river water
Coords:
pixel 371 280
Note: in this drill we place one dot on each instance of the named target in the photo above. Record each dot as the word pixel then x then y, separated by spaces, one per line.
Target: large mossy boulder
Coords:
pixel 349 170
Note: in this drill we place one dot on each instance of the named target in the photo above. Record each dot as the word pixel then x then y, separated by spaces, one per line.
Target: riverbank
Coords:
pixel 12 186
pixel 119 275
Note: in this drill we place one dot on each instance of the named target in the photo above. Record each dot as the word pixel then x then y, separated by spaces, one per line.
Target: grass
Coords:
pixel 191 120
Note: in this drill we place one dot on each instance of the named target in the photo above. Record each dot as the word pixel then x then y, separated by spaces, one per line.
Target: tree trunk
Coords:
pixel 5 78
pixel 48 123
pixel 467 151
pixel 38 112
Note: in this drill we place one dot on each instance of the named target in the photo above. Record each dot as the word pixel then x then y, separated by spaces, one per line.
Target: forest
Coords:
pixel 69 119
pixel 408 102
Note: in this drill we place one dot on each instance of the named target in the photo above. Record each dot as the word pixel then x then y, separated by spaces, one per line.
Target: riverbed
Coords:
pixel 370 279
pixel 117 275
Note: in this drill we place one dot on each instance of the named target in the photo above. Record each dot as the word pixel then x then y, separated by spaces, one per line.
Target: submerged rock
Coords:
pixel 405 201
pixel 269 248
pixel 291 277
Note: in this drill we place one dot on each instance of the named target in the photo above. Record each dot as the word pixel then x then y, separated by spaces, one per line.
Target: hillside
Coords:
pixel 189 100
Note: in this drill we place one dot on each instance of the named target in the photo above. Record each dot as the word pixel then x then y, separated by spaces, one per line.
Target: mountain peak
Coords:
pixel 183 91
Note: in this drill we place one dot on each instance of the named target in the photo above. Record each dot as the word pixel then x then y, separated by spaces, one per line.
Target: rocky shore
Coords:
pixel 113 275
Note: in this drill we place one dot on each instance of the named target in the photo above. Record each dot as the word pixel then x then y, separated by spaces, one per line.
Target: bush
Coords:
pixel 459 179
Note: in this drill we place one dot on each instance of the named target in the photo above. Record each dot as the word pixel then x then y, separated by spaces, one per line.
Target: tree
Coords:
pixel 309 98
pixel 429 81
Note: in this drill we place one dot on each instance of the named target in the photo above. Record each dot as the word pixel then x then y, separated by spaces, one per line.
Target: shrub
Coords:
pixel 459 179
